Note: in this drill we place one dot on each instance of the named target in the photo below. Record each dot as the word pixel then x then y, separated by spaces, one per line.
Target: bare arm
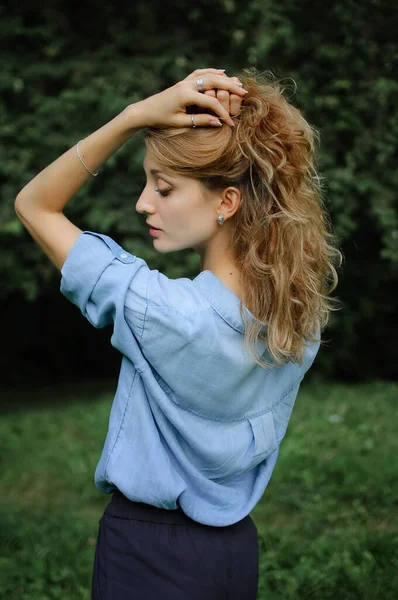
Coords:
pixel 40 203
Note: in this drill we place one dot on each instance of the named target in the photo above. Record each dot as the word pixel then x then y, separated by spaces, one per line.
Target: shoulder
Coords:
pixel 179 294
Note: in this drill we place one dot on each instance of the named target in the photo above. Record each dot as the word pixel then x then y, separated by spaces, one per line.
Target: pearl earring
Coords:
pixel 220 219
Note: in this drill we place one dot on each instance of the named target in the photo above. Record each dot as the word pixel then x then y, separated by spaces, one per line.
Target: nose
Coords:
pixel 143 204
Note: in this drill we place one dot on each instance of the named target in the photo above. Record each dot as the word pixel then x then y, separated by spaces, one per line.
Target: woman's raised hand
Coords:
pixel 222 96
pixel 231 102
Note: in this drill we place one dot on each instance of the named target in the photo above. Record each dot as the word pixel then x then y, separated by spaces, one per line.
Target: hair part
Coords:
pixel 282 239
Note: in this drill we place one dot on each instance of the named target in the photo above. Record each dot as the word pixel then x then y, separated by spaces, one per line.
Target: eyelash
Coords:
pixel 165 192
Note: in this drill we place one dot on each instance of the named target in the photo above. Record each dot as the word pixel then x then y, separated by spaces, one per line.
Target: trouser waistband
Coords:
pixel 124 508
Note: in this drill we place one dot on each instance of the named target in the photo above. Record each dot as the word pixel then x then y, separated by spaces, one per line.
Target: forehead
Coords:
pixel 154 168
pixel 150 165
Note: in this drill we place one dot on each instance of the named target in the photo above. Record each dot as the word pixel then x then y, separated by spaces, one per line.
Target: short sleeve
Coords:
pixel 97 276
pixel 156 320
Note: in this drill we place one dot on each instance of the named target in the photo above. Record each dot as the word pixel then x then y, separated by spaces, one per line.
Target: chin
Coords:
pixel 167 248
pixel 163 250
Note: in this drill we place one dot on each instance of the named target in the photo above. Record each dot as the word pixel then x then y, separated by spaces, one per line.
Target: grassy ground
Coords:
pixel 327 521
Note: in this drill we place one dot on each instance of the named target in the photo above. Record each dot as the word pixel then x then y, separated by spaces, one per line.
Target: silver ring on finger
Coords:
pixel 199 85
pixel 193 120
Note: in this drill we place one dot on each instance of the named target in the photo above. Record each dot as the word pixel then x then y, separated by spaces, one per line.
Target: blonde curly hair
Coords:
pixel 282 238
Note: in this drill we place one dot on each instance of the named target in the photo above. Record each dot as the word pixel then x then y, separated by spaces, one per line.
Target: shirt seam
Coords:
pixel 224 317
pixel 146 309
pixel 178 312
pixel 247 417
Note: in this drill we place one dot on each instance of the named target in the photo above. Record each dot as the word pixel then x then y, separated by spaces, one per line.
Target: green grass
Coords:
pixel 327 521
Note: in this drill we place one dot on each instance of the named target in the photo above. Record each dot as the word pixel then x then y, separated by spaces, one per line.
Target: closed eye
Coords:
pixel 164 192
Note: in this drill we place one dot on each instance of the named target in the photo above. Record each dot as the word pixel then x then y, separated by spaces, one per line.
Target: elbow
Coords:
pixel 28 206
pixel 24 206
pixel 24 210
pixel 19 204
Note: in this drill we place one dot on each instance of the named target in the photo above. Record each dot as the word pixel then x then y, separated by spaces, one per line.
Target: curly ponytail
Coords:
pixel 282 239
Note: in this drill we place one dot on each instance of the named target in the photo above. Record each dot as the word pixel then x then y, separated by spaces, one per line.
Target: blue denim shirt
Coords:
pixel 195 422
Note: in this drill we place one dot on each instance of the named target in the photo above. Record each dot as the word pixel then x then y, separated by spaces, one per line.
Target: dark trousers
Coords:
pixel 149 553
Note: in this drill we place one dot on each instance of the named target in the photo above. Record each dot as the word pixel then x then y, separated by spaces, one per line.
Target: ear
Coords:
pixel 229 201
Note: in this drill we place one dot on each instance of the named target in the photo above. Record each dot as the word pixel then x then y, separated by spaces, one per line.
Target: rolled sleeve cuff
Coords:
pixel 90 255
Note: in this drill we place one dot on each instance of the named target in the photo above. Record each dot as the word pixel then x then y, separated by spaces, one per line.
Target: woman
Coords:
pixel 198 416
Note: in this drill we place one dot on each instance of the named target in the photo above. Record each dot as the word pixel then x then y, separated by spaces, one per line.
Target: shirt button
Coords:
pixel 123 255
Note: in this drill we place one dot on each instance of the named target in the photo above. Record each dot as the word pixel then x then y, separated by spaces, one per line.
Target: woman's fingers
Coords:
pixel 212 94
pixel 221 108
pixel 219 82
pixel 223 98
pixel 235 101
pixel 234 104
pixel 201 120
pixel 206 101
pixel 169 108
pixel 231 102
pixel 199 72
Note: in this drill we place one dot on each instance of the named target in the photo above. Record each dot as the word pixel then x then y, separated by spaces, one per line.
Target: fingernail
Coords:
pixel 232 124
pixel 246 91
pixel 218 123
pixel 220 69
pixel 239 83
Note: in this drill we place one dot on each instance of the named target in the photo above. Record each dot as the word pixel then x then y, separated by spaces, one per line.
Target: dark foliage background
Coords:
pixel 67 67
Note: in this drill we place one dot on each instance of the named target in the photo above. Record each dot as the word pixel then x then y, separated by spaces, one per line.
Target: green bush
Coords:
pixel 62 77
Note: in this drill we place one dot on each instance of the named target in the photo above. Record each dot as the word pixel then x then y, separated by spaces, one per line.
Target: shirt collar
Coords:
pixel 223 300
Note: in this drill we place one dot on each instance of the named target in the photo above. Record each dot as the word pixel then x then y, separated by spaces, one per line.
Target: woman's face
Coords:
pixel 182 208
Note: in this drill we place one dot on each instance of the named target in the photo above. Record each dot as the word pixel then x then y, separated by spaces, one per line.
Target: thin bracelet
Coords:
pixel 82 161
